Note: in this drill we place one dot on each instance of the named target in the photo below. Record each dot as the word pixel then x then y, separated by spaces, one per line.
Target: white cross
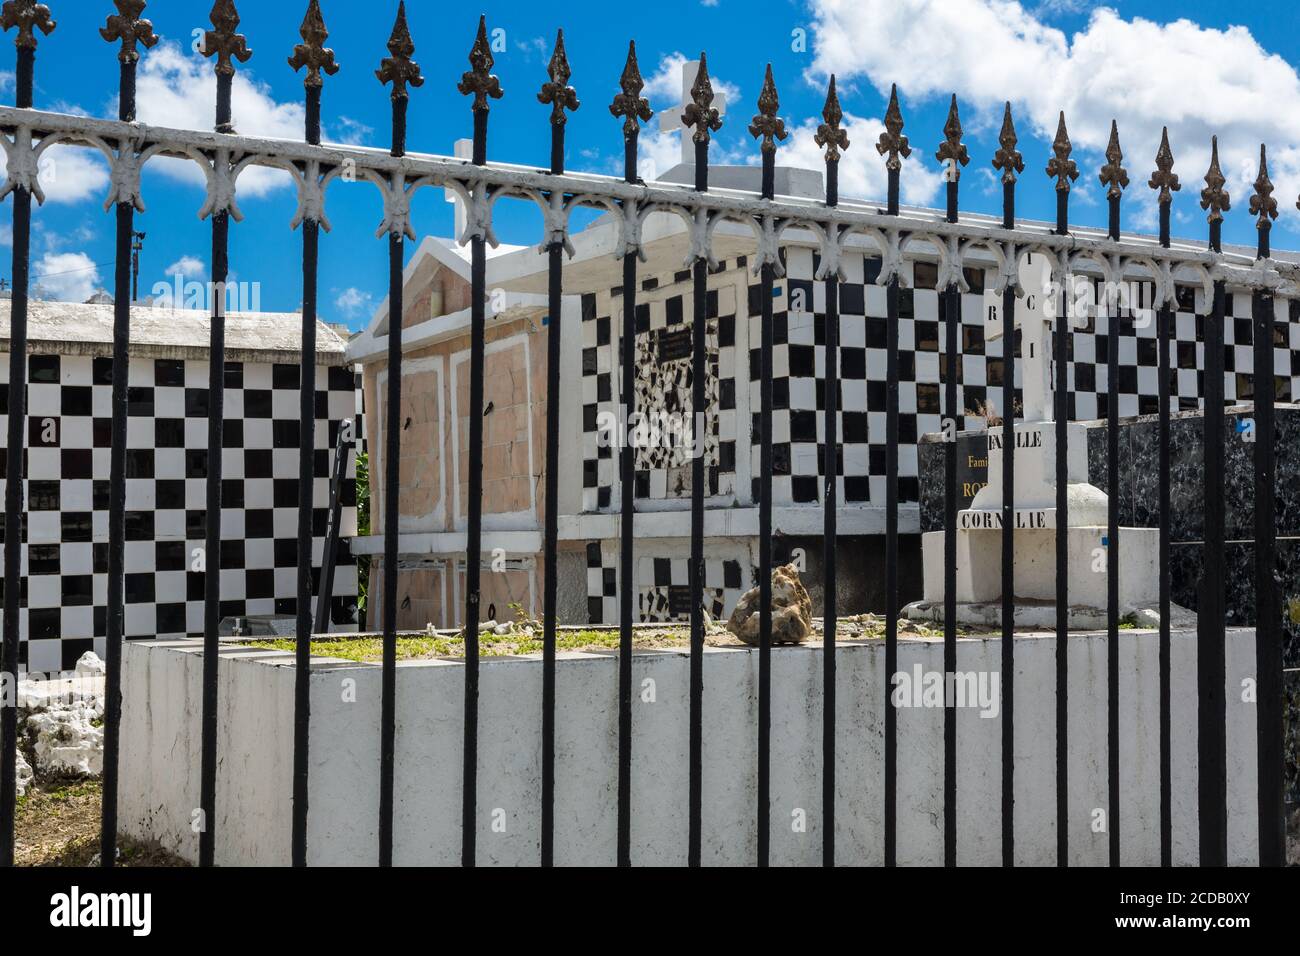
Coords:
pixel 1035 342
pixel 670 120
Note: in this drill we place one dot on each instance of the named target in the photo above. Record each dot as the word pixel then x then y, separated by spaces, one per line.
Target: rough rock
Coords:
pixel 69 738
pixel 24 774
pixel 89 663
pixel 791 610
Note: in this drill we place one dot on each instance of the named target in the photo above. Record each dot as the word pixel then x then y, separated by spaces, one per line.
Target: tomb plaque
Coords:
pixel 679 600
pixel 674 345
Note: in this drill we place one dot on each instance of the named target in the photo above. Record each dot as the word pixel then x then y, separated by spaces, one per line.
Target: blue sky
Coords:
pixel 1200 67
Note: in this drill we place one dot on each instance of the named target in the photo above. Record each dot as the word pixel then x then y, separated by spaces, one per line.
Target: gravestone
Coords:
pixel 1036 519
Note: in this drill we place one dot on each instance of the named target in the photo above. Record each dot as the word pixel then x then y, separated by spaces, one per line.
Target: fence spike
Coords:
pixel 952 150
pixel 312 52
pixel 556 91
pixel 1061 165
pixel 224 41
pixel 1262 204
pixel 26 15
pixel 767 123
pixel 829 133
pixel 700 112
pixel 398 68
pixel 1214 197
pixel 1008 158
pixel 480 80
pixel 628 103
pixel 1113 174
pixel 128 26
pixel 1164 178
pixel 893 144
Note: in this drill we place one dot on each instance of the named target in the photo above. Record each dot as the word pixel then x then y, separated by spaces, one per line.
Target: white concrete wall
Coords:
pixel 161 686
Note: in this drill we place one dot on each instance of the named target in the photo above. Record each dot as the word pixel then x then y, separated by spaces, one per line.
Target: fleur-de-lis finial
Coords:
pixel 26 15
pixel 829 133
pixel 128 26
pixel 1214 197
pixel 312 52
pixel 223 41
pixel 479 80
pixel 1262 204
pixel 629 104
pixel 1008 158
pixel 766 123
pixel 700 112
pixel 952 150
pixel 1164 178
pixel 893 144
pixel 556 91
pixel 398 68
pixel 1113 174
pixel 1061 165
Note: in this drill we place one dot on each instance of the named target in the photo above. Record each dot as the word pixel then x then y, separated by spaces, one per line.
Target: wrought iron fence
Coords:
pixel 223 156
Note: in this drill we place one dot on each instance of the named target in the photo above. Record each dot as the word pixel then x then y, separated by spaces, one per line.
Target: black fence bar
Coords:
pixel 893 145
pixel 1268 638
pixel 1112 568
pixel 1115 178
pixel 479 81
pixel 1064 170
pixel 631 106
pixel 951 366
pixel 15 465
pixel 559 95
pixel 1166 181
pixel 400 70
pixel 701 114
pixel 764 802
pixel 223 43
pixel 128 31
pixel 1010 161
pixel 1268 631
pixel 1008 564
pixel 312 54
pixel 1210 660
pixel 834 139
pixel 954 154
pixel 767 125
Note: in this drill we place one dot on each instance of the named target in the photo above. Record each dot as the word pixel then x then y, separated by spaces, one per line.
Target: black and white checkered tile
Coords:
pixel 663 585
pixel 63 610
pixel 1139 356
pixel 663 388
pixel 799 370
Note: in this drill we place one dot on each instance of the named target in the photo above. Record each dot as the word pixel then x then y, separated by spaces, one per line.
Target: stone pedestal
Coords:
pixel 1037 523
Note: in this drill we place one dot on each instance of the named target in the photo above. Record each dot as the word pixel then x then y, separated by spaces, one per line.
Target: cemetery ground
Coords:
pixel 58 824
pixel 505 640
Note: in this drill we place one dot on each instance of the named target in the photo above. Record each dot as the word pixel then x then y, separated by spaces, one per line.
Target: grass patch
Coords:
pixel 422 647
pixel 58 822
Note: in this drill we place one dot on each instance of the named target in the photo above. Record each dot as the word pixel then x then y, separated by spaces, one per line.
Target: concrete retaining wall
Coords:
pixel 160 757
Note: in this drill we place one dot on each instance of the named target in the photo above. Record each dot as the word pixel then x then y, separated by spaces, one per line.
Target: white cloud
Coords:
pixel 353 302
pixel 862 171
pixel 191 267
pixel 180 91
pixel 6 234
pixel 67 276
pixel 69 174
pixel 1197 80
pixel 351 132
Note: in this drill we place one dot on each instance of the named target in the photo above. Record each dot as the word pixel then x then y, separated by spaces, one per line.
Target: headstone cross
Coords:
pixel 671 120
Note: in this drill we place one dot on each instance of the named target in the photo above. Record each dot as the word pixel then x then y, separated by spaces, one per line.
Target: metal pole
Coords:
pixel 312 54
pixel 128 29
